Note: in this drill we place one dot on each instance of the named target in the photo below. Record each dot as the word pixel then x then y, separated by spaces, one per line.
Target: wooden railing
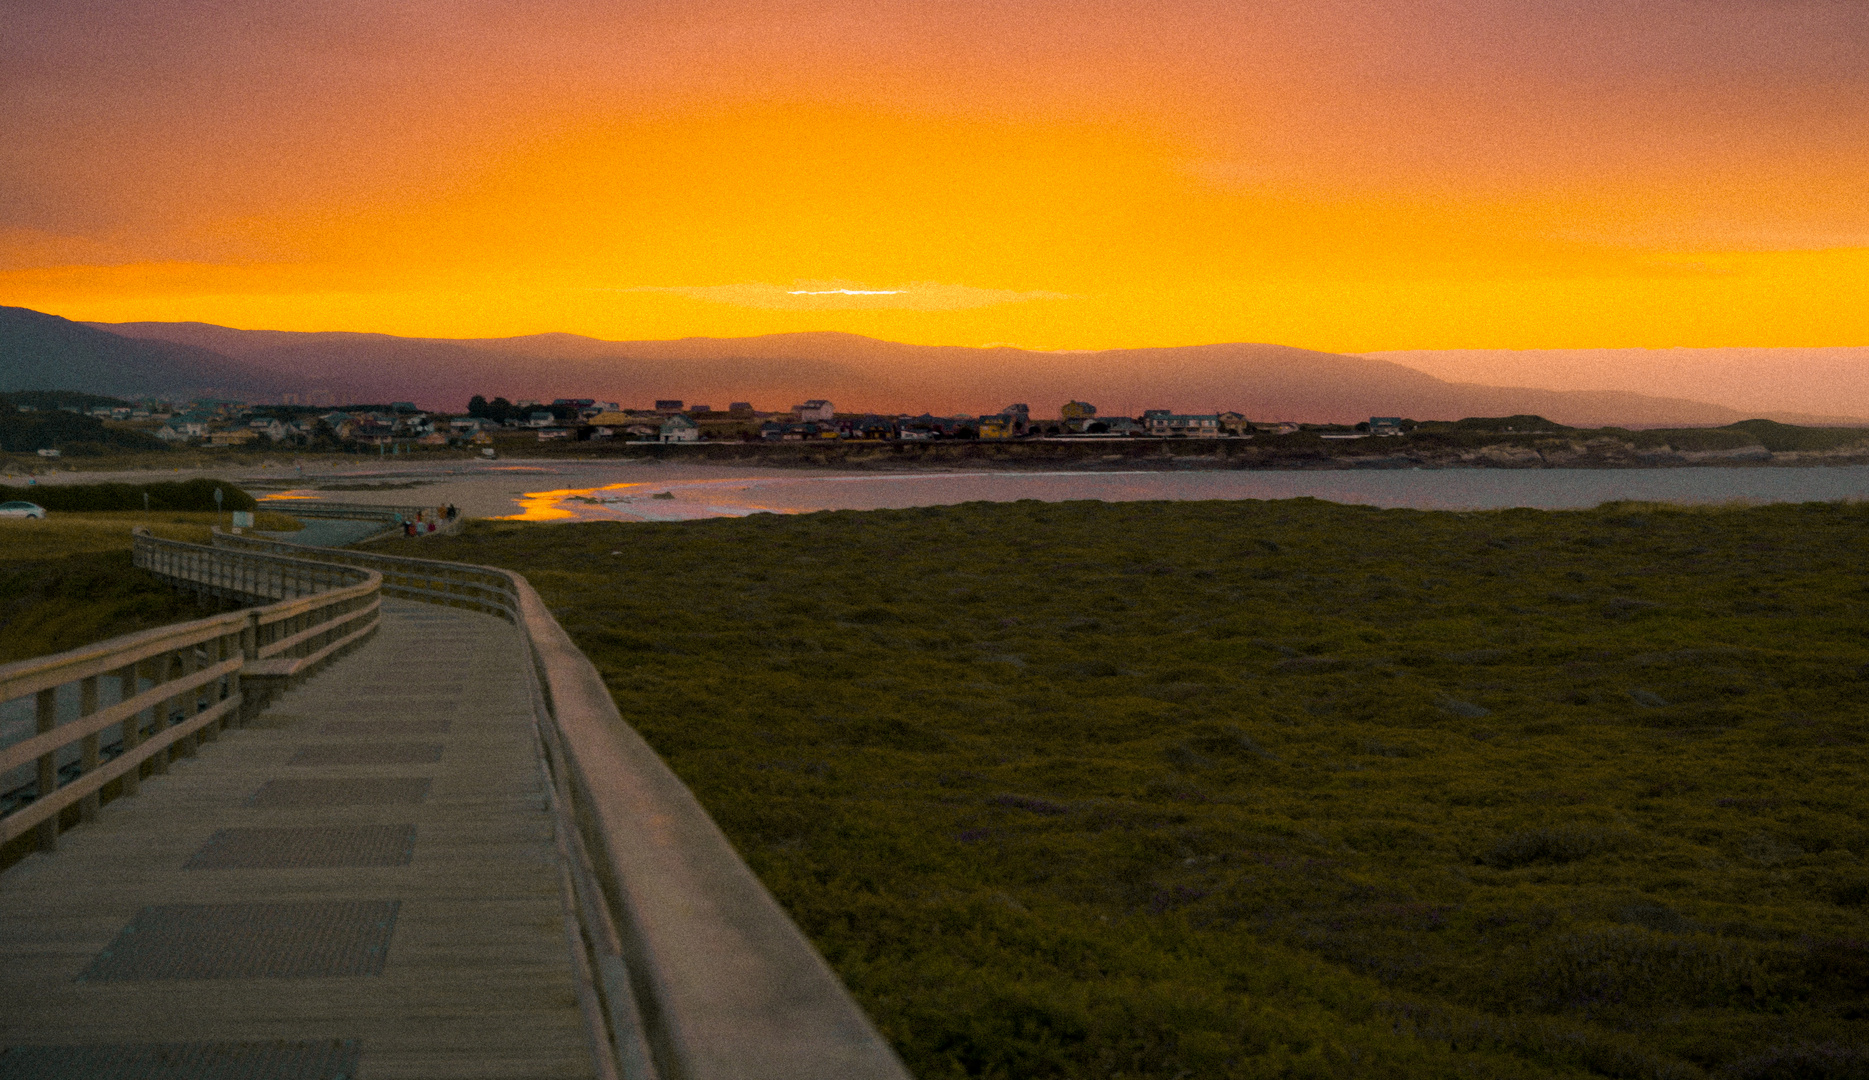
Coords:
pixel 392 517
pixel 692 971
pixel 480 588
pixel 351 511
pixel 101 712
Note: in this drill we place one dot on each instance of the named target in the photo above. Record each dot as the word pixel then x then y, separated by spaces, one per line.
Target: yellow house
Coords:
pixel 996 427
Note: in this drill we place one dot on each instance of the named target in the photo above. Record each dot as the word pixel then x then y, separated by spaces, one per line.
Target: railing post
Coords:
pixel 233 645
pixel 190 698
pixel 88 754
pixel 47 710
pixel 128 686
pixel 201 661
pixel 159 672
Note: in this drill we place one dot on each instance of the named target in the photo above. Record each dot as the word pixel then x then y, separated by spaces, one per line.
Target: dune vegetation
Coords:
pixel 66 580
pixel 1290 789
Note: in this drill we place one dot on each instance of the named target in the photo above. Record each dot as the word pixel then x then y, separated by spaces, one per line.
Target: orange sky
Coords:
pixel 1063 174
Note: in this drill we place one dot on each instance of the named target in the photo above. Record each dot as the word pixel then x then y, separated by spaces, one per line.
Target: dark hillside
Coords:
pixel 45 352
pixel 68 432
pixel 1265 381
pixel 1779 437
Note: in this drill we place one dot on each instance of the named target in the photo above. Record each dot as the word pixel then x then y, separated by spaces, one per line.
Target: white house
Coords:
pixel 815 409
pixel 679 428
pixel 1198 426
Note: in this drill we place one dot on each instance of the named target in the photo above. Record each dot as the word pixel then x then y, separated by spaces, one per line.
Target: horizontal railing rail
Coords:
pixel 301 507
pixel 98 713
pixel 480 588
pixel 694 971
pixel 392 517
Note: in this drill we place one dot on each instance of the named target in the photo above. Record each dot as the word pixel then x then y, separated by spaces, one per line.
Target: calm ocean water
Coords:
pixel 736 493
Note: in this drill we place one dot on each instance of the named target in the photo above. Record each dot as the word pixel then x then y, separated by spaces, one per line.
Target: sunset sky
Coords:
pixel 1068 174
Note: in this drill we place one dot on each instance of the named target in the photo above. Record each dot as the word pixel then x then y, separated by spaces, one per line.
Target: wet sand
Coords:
pixel 625 490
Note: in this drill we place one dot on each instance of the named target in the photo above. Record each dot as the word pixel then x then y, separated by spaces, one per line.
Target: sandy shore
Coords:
pixel 624 490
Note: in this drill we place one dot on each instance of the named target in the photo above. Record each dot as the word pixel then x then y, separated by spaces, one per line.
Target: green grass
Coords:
pixel 1263 789
pixel 50 605
pixel 183 496
pixel 66 580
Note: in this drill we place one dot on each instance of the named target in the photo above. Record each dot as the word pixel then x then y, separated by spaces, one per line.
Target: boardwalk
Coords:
pixel 361 884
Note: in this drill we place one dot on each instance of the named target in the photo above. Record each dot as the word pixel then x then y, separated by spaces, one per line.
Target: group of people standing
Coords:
pixel 427 521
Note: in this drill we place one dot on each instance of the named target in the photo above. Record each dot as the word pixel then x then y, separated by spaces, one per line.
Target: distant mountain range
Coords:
pixel 1266 382
pixel 45 352
pixel 1776 381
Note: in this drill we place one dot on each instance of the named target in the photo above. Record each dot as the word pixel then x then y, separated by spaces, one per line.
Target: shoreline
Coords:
pixel 1286 454
pixel 686 486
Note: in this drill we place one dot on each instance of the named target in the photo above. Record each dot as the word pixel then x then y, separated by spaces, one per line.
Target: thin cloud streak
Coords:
pixel 818 296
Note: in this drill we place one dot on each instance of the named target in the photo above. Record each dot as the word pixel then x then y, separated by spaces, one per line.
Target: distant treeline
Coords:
pixel 1769 434
pixel 61 399
pixel 67 432
pixel 186 495
pixel 500 410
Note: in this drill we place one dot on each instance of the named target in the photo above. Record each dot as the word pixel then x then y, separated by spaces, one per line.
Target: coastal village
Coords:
pixel 400 425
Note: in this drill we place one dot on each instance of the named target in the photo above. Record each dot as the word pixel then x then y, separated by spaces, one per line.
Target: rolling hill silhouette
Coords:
pixel 1266 382
pixel 45 352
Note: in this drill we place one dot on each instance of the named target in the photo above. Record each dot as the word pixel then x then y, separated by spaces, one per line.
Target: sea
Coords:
pixel 668 497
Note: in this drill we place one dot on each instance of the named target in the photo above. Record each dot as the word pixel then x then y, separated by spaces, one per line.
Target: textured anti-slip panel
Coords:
pixel 381 728
pixel 367 791
pixel 368 754
pixel 319 847
pixel 313 939
pixel 324 1059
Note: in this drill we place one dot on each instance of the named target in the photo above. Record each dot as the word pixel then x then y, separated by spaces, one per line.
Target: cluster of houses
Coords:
pixel 231 423
pixel 673 422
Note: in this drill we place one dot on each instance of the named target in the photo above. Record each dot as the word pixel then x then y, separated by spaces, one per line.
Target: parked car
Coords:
pixel 18 509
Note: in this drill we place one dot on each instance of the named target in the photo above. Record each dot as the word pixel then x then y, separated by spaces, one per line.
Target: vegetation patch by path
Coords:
pixel 185 496
pixel 1261 789
pixel 67 580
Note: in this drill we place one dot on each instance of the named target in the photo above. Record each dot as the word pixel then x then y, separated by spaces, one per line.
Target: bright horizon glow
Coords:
pixel 1344 175
pixel 846 292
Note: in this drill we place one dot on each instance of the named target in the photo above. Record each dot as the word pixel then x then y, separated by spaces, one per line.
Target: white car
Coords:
pixel 17 509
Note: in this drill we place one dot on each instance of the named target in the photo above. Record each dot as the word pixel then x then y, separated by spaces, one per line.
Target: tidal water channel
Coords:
pixel 673 494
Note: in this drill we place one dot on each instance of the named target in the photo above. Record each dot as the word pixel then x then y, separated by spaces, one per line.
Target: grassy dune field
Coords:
pixel 67 581
pixel 1283 789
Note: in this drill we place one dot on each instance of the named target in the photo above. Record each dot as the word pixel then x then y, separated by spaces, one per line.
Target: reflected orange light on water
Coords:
pixel 589 504
pixel 546 505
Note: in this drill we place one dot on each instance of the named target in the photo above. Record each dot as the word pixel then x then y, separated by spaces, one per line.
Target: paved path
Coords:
pixel 324 532
pixel 361 884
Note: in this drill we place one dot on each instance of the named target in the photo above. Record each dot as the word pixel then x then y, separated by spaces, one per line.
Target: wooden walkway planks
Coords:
pixel 477 980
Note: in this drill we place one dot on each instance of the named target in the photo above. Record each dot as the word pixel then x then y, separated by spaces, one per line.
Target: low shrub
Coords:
pixel 1557 845
pixel 1153 847
pixel 182 495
